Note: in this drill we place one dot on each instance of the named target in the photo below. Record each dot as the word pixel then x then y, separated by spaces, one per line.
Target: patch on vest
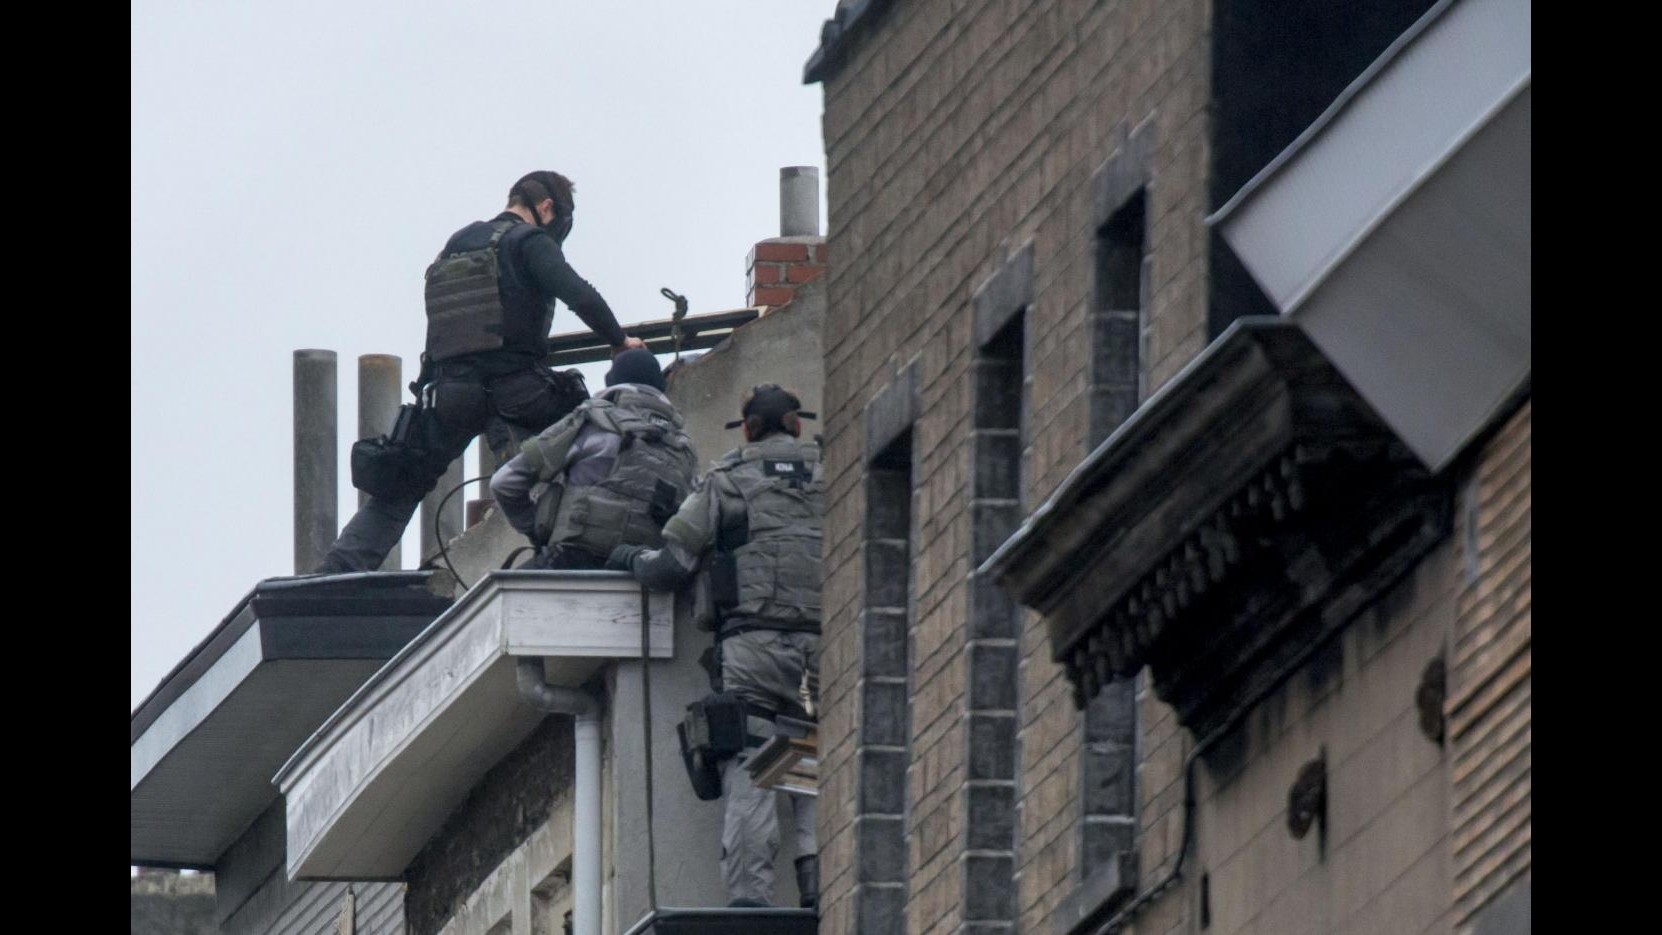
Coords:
pixel 796 470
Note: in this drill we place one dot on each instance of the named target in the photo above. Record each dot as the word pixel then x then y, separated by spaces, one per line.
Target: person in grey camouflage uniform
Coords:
pixel 752 527
pixel 609 473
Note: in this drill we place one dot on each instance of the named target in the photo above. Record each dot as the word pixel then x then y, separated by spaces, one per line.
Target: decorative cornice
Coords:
pixel 1248 502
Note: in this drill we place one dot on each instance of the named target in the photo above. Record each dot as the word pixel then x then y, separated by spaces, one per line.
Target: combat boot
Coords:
pixel 807 880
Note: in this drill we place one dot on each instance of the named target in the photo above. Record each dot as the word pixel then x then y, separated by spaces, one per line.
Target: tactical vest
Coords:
pixel 774 558
pixel 465 312
pixel 653 473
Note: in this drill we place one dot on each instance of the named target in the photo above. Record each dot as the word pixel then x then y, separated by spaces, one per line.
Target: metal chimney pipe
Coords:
pixel 799 201
pixel 315 473
pixel 487 467
pixel 379 376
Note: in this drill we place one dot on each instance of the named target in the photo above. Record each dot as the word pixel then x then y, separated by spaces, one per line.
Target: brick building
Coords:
pixel 1177 426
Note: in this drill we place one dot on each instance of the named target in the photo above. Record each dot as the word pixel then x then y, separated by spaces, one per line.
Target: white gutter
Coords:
pixel 585 813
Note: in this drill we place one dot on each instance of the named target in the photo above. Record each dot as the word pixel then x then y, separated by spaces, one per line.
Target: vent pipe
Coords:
pixel 799 201
pixel 379 376
pixel 315 474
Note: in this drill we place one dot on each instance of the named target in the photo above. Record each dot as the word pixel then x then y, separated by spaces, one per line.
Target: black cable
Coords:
pixel 438 534
pixel 646 727
pixel 1236 714
pixel 508 562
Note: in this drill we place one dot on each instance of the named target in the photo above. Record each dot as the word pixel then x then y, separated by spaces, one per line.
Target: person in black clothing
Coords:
pixel 490 302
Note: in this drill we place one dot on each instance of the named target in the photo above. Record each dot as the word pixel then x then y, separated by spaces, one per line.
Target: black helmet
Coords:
pixel 770 402
pixel 536 186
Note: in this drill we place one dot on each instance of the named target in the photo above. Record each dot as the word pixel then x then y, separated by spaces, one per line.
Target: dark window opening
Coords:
pixel 881 811
pixel 1275 67
pixel 992 649
pixel 1118 319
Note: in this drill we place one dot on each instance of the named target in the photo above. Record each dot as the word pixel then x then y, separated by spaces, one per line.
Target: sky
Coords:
pixel 297 164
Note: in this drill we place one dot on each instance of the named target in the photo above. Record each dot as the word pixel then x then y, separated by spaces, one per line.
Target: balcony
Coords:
pixel 377 780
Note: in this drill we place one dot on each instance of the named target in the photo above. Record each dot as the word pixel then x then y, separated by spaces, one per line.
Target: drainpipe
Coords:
pixel 585 814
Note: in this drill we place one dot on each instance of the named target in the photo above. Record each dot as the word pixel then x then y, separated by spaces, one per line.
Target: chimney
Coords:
pixel 778 265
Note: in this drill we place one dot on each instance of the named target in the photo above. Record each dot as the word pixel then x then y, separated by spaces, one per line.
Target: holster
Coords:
pixel 712 731
pixel 393 466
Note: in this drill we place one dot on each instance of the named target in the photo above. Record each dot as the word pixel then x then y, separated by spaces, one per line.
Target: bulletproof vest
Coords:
pixel 773 560
pixel 653 473
pixel 474 304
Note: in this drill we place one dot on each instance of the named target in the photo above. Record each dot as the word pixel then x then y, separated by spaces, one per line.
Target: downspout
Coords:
pixel 585 815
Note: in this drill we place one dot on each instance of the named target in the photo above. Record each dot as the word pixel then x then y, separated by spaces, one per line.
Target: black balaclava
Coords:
pixel 636 365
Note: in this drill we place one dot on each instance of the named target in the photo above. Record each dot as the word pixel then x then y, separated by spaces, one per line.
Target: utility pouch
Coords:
pixel 702 771
pixel 569 389
pixel 724 581
pixel 712 731
pixel 403 424
pixel 665 501
pixel 390 471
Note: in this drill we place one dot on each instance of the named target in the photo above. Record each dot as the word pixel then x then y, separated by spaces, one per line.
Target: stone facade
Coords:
pixel 1037 176
pixel 998 118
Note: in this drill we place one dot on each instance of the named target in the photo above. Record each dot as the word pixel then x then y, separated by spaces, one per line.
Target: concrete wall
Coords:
pixel 166 903
pixel 781 347
pixel 516 798
pixel 529 891
pixel 1382 862
pixel 255 896
pixel 954 135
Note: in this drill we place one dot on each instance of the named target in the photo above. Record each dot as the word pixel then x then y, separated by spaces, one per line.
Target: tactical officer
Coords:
pixel 753 526
pixel 608 474
pixel 490 301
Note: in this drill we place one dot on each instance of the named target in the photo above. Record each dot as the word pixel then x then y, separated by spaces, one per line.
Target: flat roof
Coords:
pixel 204 743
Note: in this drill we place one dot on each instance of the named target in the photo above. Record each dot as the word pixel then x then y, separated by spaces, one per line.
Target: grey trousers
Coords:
pixel 764 666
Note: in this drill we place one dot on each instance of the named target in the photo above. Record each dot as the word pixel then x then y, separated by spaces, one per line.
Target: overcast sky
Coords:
pixel 297 164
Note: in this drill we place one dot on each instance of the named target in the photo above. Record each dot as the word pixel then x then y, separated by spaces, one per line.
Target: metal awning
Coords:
pixel 377 780
pixel 205 742
pixel 1396 228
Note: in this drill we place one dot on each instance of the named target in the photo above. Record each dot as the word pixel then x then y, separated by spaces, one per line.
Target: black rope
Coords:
pixel 675 318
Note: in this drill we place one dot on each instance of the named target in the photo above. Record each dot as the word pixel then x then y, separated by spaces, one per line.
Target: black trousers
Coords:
pixel 464 403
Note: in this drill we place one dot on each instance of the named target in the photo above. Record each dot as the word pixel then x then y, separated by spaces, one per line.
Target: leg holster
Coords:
pixel 394 466
pixel 713 730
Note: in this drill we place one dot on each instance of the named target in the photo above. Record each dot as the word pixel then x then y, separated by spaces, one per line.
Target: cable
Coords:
pixel 508 562
pixel 1236 714
pixel 438 533
pixel 646 727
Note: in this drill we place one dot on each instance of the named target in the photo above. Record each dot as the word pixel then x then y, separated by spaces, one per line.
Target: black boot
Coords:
pixel 807 880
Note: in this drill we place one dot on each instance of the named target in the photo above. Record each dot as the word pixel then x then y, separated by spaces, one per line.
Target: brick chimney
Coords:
pixel 778 265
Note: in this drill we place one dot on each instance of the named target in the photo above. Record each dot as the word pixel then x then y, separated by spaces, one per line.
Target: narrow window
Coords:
pixel 885 708
pixel 1119 322
pixel 1108 760
pixel 993 647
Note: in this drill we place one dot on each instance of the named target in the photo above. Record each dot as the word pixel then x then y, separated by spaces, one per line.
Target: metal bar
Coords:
pixel 699 332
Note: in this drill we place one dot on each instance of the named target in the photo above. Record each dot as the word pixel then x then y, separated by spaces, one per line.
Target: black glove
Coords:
pixel 623 557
